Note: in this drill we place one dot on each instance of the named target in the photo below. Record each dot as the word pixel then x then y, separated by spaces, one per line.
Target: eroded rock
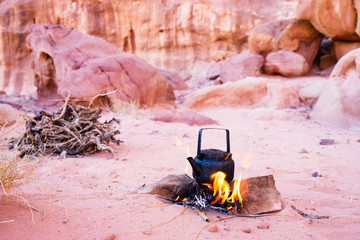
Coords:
pixel 8 115
pixel 249 92
pixel 336 19
pixel 66 61
pixel 262 38
pixel 286 63
pixel 339 102
pixel 297 36
pixel 236 68
pixel 175 80
pixel 300 37
pixel 240 66
pixel 342 47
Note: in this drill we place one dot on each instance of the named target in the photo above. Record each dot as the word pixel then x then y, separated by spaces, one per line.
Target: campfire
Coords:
pixel 213 169
pixel 218 195
pixel 213 187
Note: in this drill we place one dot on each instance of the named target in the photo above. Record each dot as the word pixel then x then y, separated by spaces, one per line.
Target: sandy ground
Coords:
pixel 95 197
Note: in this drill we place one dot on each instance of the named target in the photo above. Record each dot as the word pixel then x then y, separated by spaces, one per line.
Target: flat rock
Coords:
pixel 170 187
pixel 250 92
pixel 188 117
pixel 260 195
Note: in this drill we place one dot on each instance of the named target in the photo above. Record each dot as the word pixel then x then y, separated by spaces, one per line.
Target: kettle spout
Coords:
pixel 195 166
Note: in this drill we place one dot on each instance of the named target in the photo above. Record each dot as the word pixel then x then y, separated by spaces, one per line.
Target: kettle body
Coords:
pixel 209 161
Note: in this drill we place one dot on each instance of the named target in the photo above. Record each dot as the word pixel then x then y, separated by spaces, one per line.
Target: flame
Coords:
pixel 236 195
pixel 188 169
pixel 222 191
pixel 247 160
pixel 181 146
pixel 178 197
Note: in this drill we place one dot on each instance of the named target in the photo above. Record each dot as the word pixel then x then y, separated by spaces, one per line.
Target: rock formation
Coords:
pixel 280 41
pixel 237 67
pixel 263 38
pixel 173 35
pixel 343 47
pixel 65 61
pixel 286 63
pixel 176 81
pixel 249 92
pixel 336 18
pixel 339 102
pixel 8 115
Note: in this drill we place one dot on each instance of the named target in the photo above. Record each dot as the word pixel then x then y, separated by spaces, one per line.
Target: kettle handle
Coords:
pixel 227 138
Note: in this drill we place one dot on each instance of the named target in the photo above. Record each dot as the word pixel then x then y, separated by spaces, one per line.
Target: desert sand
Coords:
pixel 95 197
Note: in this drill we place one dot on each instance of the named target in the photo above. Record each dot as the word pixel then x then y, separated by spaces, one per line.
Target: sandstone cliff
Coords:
pixel 169 34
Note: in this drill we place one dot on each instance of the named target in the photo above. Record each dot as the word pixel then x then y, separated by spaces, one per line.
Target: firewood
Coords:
pixel 72 130
pixel 202 214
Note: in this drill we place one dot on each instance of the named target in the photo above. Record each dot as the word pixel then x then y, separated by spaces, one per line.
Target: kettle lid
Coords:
pixel 213 154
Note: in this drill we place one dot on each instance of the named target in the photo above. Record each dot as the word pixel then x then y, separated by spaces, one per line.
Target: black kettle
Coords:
pixel 210 161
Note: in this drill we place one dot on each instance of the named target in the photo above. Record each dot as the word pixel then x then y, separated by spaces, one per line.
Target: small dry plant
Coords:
pixel 13 171
pixel 130 108
pixel 13 174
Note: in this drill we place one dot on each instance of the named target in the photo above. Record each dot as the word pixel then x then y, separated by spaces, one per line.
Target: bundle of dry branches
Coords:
pixel 72 130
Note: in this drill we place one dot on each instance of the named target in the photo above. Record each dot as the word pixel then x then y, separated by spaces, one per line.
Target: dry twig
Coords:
pixel 7 221
pixel 307 215
pixel 202 214
pixel 163 223
pixel 100 95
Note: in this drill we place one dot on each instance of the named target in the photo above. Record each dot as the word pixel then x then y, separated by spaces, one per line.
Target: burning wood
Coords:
pixel 73 130
pixel 218 195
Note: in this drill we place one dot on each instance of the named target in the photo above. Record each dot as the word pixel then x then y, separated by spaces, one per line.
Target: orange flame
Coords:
pixel 178 197
pixel 181 146
pixel 247 160
pixel 188 169
pixel 222 189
